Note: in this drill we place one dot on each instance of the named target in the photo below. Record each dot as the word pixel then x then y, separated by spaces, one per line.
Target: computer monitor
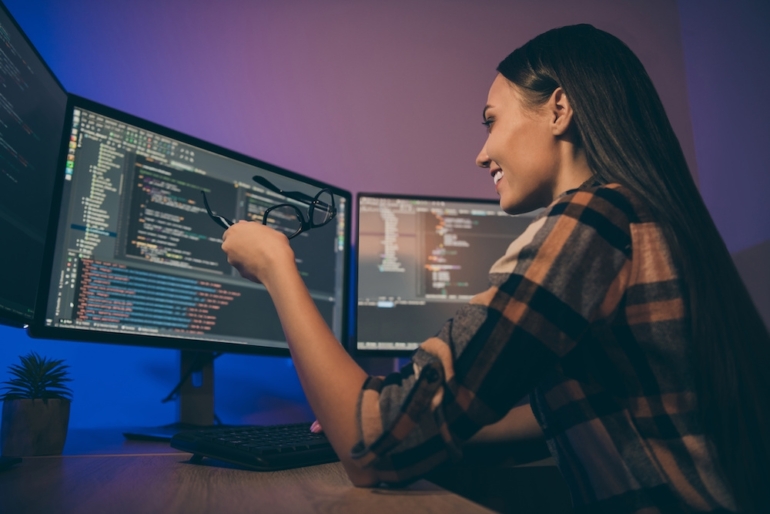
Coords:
pixel 420 258
pixel 32 105
pixel 134 258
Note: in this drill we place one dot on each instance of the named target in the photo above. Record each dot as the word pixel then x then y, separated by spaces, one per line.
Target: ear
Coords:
pixel 560 112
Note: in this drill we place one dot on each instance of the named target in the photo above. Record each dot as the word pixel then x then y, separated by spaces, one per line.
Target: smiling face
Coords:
pixel 523 151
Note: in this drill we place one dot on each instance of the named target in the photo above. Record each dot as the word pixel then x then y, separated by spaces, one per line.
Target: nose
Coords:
pixel 482 159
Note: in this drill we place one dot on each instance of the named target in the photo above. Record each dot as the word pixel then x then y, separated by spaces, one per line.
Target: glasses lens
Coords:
pixel 323 209
pixel 284 218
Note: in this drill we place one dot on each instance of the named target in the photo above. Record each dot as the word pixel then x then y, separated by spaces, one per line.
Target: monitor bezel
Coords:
pixel 38 329
pixel 353 348
pixel 10 317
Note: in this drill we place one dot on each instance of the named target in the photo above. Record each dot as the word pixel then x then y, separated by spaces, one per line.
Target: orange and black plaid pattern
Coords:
pixel 586 314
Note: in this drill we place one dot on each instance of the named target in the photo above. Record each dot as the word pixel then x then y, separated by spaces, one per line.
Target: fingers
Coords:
pixel 316 427
pixel 253 249
pixel 227 232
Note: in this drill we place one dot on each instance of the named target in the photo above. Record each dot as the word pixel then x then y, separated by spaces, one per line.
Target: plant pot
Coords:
pixel 34 427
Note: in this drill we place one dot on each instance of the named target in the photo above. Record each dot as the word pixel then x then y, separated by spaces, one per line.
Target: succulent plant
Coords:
pixel 37 377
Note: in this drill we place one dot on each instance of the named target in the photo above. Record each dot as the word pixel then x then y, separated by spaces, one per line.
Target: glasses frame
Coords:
pixel 305 223
pixel 219 220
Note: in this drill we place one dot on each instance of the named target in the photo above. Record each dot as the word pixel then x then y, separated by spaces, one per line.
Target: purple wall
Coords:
pixel 367 95
pixel 727 59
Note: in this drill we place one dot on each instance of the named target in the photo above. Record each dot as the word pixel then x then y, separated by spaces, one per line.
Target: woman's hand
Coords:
pixel 258 252
pixel 330 378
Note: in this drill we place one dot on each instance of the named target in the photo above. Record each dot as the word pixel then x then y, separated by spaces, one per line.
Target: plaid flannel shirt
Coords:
pixel 586 314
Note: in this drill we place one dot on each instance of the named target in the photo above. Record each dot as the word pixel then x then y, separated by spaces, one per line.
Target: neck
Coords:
pixel 573 169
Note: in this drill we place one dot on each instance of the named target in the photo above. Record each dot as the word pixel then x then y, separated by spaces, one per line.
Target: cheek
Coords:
pixel 501 150
pixel 508 147
pixel 529 154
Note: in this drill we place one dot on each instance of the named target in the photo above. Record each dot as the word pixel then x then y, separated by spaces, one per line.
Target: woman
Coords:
pixel 619 309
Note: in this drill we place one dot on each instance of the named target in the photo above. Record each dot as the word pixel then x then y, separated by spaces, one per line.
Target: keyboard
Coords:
pixel 262 448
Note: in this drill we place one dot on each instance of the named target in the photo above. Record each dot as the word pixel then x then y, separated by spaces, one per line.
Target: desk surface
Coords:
pixel 101 472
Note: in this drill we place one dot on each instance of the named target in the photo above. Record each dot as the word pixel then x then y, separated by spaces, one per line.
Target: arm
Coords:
pixel 568 269
pixel 518 425
pixel 517 438
pixel 330 378
pixel 514 440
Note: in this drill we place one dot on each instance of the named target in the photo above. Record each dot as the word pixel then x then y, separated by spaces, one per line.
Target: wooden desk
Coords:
pixel 100 472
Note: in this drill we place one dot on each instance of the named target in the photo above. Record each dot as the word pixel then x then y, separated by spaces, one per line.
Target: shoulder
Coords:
pixel 588 213
pixel 607 210
pixel 600 203
pixel 589 224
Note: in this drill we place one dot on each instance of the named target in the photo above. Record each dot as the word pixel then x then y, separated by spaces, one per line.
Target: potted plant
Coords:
pixel 36 407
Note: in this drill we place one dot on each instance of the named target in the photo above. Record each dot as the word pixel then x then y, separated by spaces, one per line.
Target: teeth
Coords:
pixel 497 177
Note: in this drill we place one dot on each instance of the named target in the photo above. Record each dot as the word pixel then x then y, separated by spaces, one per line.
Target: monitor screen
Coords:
pixel 134 258
pixel 419 260
pixel 32 105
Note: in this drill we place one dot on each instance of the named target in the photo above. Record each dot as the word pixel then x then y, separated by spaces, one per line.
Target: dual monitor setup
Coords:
pixel 107 238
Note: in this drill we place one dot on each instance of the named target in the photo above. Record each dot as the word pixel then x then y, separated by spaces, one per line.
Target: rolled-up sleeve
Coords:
pixel 569 268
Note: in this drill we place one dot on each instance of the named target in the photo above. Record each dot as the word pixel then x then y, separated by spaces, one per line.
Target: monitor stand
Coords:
pixel 195 392
pixel 196 399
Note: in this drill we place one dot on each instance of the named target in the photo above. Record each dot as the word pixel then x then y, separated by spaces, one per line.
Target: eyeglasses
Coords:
pixel 219 220
pixel 286 217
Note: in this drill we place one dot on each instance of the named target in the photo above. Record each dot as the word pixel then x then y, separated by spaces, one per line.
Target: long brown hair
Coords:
pixel 622 126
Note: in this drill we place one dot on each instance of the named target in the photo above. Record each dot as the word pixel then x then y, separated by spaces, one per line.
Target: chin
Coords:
pixel 522 204
pixel 518 207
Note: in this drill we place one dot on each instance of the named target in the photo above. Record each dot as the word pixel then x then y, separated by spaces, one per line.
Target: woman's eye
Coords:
pixel 488 123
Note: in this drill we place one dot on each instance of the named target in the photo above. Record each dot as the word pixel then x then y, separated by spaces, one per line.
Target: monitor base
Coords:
pixel 195 393
pixel 163 432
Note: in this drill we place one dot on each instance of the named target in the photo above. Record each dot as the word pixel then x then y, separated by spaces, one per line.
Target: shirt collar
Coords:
pixel 591 182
